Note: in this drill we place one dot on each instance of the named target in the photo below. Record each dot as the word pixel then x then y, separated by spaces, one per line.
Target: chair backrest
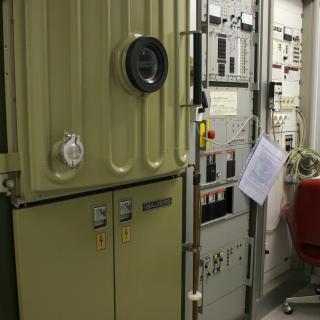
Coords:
pixel 303 218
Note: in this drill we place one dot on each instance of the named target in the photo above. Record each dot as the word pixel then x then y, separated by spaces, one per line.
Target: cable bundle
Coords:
pixel 302 163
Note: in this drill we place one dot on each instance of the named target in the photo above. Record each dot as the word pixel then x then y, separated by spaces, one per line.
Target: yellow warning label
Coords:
pixel 101 241
pixel 126 234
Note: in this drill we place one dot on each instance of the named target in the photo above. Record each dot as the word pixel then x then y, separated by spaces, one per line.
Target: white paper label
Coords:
pixel 288 31
pixel 223 103
pixel 215 10
pixel 247 18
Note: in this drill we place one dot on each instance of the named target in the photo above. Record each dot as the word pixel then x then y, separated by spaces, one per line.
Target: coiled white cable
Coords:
pixel 295 165
pixel 302 128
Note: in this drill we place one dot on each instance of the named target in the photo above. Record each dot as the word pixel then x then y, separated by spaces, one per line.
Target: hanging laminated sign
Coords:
pixel 262 168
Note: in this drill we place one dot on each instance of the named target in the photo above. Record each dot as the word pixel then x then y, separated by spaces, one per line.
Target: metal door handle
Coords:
pixel 200 308
pixel 197 68
pixel 249 277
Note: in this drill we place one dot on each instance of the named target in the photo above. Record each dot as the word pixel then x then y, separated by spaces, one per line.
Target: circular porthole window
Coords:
pixel 147 64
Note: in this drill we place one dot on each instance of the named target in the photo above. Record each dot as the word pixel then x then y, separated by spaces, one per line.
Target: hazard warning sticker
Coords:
pixel 101 241
pixel 126 234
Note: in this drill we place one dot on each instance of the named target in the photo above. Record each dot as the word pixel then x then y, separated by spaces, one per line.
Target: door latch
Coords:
pixel 9 162
pixel 71 150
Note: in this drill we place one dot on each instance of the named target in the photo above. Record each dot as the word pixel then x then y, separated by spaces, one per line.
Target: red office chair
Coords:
pixel 303 218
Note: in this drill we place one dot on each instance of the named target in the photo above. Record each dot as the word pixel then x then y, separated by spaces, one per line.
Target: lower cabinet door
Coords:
pixel 148 239
pixel 73 255
pixel 64 256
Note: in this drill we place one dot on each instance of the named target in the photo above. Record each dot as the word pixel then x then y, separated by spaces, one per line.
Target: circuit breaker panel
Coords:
pixel 225 267
pixel 286 72
pixel 286 124
pixel 226 137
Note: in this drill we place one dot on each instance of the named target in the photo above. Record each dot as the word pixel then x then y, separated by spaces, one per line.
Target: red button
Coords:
pixel 211 134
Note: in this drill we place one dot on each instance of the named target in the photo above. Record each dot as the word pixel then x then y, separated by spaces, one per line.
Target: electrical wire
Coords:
pixel 303 163
pixel 302 128
pixel 273 126
pixel 295 166
pixel 254 117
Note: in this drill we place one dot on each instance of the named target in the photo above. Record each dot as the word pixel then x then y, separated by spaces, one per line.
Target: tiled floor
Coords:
pixel 301 312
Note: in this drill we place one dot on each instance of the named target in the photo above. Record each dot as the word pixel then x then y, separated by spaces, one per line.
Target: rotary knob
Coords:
pixel 71 150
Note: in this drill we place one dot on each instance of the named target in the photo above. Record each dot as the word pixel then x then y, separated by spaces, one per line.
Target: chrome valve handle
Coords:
pixel 71 150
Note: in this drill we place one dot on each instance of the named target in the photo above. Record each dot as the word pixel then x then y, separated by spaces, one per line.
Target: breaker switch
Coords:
pixel 205 212
pixel 211 168
pixel 231 164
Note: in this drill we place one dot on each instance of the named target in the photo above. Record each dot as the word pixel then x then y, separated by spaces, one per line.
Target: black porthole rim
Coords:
pixel 131 66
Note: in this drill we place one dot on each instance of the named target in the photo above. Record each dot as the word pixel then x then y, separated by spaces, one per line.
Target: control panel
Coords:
pixel 230 34
pixel 221 164
pixel 222 259
pixel 286 124
pixel 223 268
pixel 227 132
pixel 221 167
pixel 284 90
pixel 220 203
pixel 216 204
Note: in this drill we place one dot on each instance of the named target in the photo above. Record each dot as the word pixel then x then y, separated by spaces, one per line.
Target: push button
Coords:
pixel 211 134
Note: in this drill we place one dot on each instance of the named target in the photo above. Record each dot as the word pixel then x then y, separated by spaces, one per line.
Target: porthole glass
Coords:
pixel 147 64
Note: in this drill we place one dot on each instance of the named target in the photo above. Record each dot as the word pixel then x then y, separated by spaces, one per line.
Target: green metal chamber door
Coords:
pixel 148 246
pixel 99 89
pixel 64 265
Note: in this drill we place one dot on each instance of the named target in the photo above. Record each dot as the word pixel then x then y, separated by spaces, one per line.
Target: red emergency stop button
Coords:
pixel 211 134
